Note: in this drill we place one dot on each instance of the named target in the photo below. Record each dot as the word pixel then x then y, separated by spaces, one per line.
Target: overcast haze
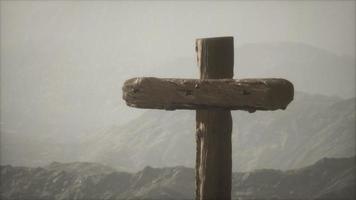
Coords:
pixel 63 63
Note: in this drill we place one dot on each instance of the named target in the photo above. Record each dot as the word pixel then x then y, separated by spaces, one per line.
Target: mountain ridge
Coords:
pixel 312 127
pixel 310 69
pixel 329 178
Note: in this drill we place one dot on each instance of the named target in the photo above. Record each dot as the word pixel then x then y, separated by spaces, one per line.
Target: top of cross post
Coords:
pixel 216 38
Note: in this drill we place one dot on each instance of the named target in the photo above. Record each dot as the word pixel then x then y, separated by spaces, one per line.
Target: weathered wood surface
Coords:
pixel 243 94
pixel 213 159
pixel 214 127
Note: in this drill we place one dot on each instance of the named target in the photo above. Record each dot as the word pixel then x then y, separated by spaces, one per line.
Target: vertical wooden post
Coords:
pixel 214 127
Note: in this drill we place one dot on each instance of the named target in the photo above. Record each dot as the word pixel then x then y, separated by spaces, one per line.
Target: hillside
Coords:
pixel 326 179
pixel 312 127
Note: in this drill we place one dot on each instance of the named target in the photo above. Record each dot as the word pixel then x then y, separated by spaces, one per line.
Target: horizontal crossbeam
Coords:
pixel 230 94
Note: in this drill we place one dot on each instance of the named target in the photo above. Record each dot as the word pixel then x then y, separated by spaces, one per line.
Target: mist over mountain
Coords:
pixel 326 179
pixel 312 127
pixel 310 69
pixel 66 133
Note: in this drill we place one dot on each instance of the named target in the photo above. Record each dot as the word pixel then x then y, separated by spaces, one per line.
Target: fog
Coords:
pixel 63 63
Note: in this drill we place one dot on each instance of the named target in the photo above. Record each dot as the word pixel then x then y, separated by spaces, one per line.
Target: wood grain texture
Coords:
pixel 213 159
pixel 243 94
pixel 214 127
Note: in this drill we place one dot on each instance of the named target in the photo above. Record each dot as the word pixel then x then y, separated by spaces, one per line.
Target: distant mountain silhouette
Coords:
pixel 326 179
pixel 311 69
pixel 311 128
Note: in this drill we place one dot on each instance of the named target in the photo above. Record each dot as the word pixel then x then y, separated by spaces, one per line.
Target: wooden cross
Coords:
pixel 212 96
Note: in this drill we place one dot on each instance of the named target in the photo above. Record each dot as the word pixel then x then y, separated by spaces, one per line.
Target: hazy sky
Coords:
pixel 63 63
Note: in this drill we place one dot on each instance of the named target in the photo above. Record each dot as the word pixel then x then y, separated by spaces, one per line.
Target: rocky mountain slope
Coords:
pixel 326 179
pixel 312 127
